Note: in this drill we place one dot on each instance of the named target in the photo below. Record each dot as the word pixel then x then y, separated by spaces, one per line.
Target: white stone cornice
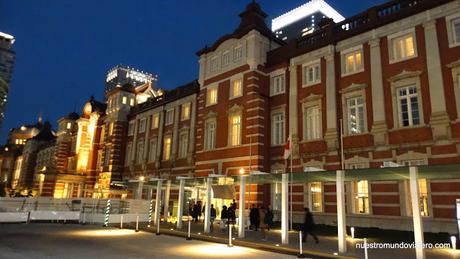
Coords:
pixel 235 108
pixel 454 64
pixel 312 98
pixel 211 114
pixel 353 87
pixel 404 74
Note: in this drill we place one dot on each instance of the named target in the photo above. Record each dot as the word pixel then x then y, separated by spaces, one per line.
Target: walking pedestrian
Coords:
pixel 254 217
pixel 213 217
pixel 308 226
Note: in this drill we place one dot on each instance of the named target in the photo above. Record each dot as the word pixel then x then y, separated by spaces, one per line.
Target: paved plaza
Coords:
pixel 76 241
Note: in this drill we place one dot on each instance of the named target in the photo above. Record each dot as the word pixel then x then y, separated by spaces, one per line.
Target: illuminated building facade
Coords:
pixel 390 75
pixel 121 75
pixel 7 59
pixel 304 20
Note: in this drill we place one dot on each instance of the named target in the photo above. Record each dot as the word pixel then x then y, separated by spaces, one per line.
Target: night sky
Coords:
pixel 64 48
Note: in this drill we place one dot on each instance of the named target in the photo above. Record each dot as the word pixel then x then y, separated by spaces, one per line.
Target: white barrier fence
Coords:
pixel 83 210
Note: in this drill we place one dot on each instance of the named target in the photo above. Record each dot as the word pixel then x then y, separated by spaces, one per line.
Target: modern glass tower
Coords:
pixel 303 20
pixel 7 58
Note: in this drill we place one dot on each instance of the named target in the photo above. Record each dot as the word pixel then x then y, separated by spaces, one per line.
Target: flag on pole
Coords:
pixel 287 149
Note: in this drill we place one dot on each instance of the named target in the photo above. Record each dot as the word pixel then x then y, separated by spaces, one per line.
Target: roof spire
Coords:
pixel 40 117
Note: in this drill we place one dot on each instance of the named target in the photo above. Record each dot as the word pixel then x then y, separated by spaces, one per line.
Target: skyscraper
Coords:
pixel 7 58
pixel 303 20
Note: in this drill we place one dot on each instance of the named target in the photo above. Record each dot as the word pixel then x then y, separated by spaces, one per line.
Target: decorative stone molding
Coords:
pixel 312 98
pixel 404 74
pixel 353 87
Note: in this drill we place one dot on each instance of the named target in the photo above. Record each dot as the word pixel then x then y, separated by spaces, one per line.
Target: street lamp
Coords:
pixel 241 170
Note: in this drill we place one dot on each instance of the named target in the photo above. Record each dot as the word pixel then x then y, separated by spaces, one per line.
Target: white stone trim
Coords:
pixel 391 46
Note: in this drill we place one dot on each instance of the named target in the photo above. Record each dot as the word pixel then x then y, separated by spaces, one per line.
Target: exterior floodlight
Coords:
pixel 241 170
pixel 141 178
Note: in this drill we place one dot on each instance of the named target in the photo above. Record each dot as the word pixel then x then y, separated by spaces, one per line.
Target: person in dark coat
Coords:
pixel 269 218
pixel 308 226
pixel 213 216
pixel 254 217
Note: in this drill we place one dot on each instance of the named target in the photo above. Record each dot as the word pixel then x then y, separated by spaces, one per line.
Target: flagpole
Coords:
pixel 290 176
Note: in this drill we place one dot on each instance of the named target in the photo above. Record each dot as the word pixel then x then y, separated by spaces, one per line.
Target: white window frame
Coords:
pixel 350 92
pixel 155 120
pixel 214 64
pixel 153 146
pixel 209 101
pixel 278 138
pixel 183 144
pixel 310 196
pixel 167 155
pixel 140 151
pixel 316 64
pixel 234 141
pixel 317 129
pixel 232 88
pixel 360 122
pixel 358 196
pixel 276 89
pixel 451 34
pixel 185 111
pixel 237 52
pixel 142 125
pixel 210 137
pixel 225 58
pixel 347 52
pixel 392 39
pixel 169 117
pixel 408 97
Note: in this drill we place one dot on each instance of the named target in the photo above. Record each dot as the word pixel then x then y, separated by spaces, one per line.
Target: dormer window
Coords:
pixel 124 100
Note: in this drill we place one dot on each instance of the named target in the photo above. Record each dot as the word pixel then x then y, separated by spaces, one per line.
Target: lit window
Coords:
pixel 142 123
pixel 355 116
pixel 316 200
pixel 155 120
pixel 278 128
pixel 403 47
pixel 423 195
pixel 169 117
pixel 225 58
pixel 277 85
pixel 210 135
pixel 167 148
pixel 131 102
pixel 408 106
pixel 236 88
pixel 235 130
pixel 131 128
pixel 183 144
pixel 140 152
pixel 361 197
pixel 312 129
pixel 353 61
pixel 237 53
pixel 124 100
pixel 69 125
pixel 153 149
pixel 185 112
pixel 311 74
pixel 211 96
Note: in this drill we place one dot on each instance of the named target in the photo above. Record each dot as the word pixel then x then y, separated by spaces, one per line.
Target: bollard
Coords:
pixel 107 214
pixel 352 230
pixel 453 240
pixel 365 248
pixel 230 235
pixel 300 255
pixel 189 228
pixel 137 223
pixel 121 221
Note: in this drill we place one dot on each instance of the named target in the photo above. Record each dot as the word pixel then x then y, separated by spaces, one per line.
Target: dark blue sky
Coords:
pixel 64 47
